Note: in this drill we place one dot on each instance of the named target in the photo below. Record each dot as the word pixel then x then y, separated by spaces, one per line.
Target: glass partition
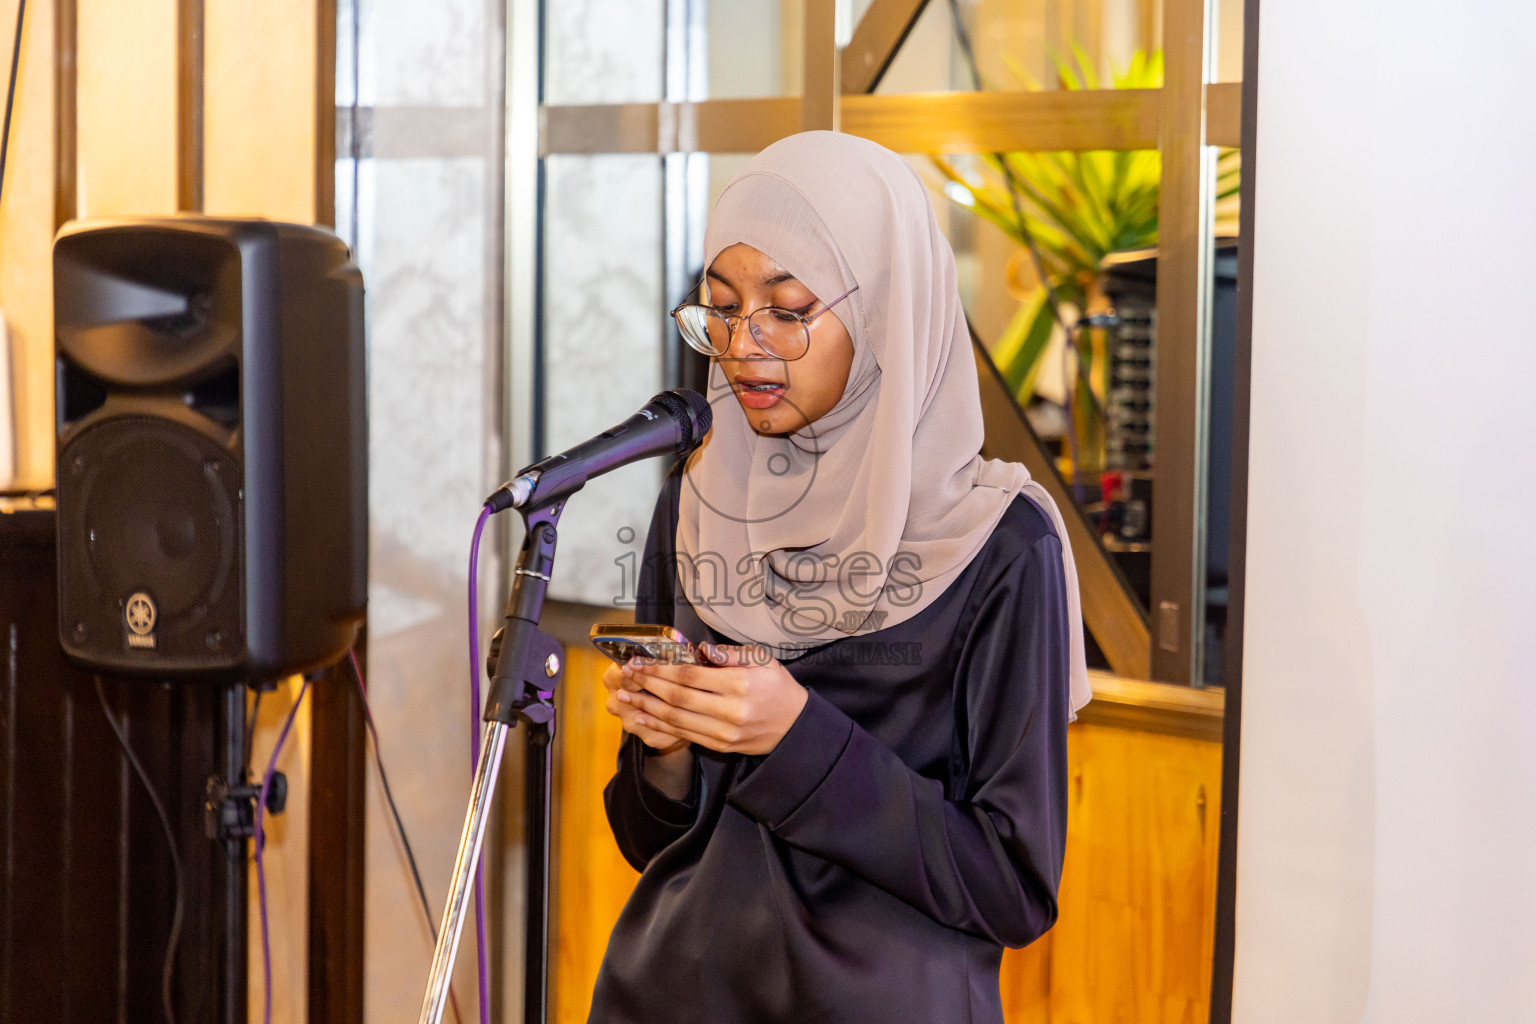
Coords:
pixel 753 48
pixel 418 193
pixel 1124 384
pixel 602 349
pixel 604 51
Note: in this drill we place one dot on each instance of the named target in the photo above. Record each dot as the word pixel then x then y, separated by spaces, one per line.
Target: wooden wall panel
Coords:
pixel 1138 891
pixel 126 106
pixel 85 910
pixel 1025 982
pixel 1133 940
pixel 109 140
pixel 26 238
pixel 592 879
pixel 260 124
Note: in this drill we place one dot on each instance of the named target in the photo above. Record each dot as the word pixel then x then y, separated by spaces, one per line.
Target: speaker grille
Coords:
pixel 149 547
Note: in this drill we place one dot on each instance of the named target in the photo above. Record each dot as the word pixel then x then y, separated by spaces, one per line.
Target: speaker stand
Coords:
pixel 229 819
pixel 236 889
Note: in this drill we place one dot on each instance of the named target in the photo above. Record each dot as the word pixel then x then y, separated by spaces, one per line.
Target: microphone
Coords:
pixel 671 423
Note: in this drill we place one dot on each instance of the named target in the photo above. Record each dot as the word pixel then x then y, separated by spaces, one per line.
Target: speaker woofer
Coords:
pixel 150 511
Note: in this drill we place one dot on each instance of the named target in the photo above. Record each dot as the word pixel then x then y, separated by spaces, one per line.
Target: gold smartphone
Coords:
pixel 624 640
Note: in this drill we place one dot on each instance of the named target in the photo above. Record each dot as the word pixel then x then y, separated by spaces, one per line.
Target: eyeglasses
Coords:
pixel 782 333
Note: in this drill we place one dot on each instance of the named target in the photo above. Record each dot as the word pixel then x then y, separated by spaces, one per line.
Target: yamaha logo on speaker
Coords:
pixel 139 613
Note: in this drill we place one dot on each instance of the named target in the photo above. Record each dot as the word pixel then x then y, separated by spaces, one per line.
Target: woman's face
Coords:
pixel 743 280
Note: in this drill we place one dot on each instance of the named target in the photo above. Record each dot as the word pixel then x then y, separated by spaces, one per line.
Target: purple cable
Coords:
pixel 474 754
pixel 261 845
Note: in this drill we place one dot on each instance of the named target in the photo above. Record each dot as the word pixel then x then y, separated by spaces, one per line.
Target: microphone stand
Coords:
pixel 528 667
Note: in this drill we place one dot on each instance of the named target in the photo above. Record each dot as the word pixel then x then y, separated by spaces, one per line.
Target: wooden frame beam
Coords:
pixel 326 14
pixel 189 105
pixel 959 122
pixel 876 42
pixel 1000 122
pixel 1185 227
pixel 66 115
pixel 819 107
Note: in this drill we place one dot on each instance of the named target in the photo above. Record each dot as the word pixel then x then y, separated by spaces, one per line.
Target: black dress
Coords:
pixel 910 824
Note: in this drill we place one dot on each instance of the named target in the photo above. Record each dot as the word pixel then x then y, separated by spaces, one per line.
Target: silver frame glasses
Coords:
pixel 703 346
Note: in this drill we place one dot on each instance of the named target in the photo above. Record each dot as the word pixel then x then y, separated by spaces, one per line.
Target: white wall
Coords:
pixel 1387 824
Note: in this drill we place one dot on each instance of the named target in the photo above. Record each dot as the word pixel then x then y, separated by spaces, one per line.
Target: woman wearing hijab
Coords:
pixel 858 799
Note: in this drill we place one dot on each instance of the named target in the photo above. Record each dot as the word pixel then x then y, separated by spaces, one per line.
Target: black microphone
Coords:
pixel 671 423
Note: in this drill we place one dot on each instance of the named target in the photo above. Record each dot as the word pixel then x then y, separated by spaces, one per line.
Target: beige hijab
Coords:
pixel 865 517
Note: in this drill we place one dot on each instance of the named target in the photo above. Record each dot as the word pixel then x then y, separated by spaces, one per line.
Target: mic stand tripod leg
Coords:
pixel 492 744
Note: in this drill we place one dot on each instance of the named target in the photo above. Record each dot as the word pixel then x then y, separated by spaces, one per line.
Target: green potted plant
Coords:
pixel 1078 208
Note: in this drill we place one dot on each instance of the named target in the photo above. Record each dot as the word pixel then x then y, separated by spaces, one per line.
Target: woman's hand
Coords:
pixel 741 703
pixel 618 679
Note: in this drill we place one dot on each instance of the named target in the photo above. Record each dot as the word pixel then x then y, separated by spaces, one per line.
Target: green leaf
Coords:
pixel 1134 72
pixel 1048 222
pixel 1064 72
pixel 1090 76
pixel 1076 207
pixel 1021 73
pixel 1043 188
pixel 1005 350
pixel 1031 325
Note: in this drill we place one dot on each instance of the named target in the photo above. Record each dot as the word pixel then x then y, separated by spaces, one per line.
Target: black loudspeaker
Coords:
pixel 212 447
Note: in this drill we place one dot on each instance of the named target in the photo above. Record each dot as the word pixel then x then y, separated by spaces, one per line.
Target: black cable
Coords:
pixel 170 837
pixel 389 798
pixel 963 37
pixel 10 92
